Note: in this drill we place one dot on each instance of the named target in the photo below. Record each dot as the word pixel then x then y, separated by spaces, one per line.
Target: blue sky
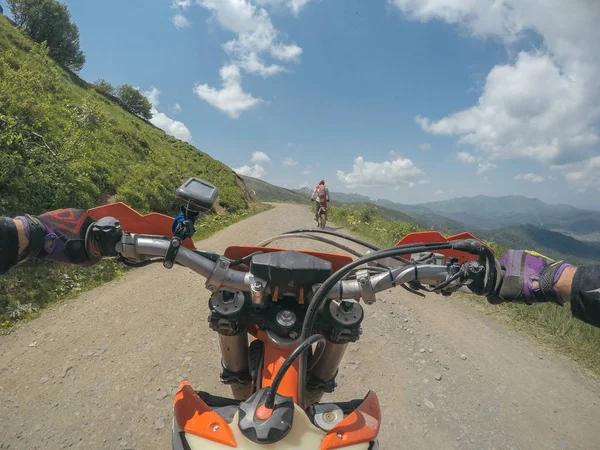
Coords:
pixel 407 100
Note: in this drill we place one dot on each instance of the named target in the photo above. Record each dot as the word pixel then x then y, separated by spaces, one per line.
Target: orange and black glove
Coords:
pixel 70 236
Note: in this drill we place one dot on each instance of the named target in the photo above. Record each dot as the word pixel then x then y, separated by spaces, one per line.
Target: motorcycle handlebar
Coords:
pixel 426 274
pixel 136 246
pixel 139 246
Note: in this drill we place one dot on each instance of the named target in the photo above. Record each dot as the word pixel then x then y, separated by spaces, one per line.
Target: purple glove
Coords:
pixel 528 278
pixel 71 236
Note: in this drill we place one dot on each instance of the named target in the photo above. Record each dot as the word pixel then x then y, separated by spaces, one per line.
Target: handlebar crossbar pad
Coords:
pixel 134 222
pixel 433 236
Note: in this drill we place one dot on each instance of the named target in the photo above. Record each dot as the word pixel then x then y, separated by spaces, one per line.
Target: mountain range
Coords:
pixel 560 231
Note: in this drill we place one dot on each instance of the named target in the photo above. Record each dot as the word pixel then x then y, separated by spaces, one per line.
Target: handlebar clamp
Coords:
pixel 367 292
pixel 174 246
pixel 219 275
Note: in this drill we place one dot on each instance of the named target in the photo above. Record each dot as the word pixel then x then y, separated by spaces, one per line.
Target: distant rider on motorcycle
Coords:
pixel 321 196
pixel 72 236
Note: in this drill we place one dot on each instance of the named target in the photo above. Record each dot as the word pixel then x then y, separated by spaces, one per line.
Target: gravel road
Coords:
pixel 100 371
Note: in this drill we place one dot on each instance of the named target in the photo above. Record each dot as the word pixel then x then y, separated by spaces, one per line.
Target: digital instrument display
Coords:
pixel 197 194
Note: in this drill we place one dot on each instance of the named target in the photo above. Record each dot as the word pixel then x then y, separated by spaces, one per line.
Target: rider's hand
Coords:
pixel 71 236
pixel 528 278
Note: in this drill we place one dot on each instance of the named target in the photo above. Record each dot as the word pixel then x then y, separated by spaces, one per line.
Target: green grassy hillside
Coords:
pixel 62 144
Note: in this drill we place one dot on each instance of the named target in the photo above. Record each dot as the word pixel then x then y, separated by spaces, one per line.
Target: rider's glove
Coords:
pixel 528 278
pixel 71 236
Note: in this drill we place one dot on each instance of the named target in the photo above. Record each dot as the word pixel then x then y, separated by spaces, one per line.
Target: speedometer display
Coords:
pixel 197 195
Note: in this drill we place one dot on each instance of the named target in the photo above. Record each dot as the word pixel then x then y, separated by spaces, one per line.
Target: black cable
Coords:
pixel 392 278
pixel 442 285
pixel 333 233
pixel 348 238
pixel 305 345
pixel 134 264
pixel 139 264
pixel 321 294
pixel 243 260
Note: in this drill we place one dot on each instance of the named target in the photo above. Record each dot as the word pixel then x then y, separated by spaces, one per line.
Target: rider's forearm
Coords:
pixel 584 293
pixel 581 287
pixel 23 240
pixel 13 242
pixel 564 284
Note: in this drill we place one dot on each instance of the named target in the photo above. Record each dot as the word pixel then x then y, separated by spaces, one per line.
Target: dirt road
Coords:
pixel 99 371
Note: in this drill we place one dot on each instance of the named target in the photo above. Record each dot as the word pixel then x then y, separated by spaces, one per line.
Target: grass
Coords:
pixel 65 144
pixel 365 221
pixel 547 323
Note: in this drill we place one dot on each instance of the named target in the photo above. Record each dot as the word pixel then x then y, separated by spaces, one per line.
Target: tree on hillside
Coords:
pixel 134 101
pixel 49 21
pixel 104 87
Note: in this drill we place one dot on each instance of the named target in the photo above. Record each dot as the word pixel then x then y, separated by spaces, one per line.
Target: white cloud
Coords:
pixel 172 127
pixel 484 167
pixel 255 171
pixel 256 39
pixel 530 177
pixel 181 4
pixel 439 192
pixel 544 105
pixel 289 162
pixel 253 64
pixel 180 21
pixel 466 157
pixel 397 172
pixel 306 172
pixel 527 110
pixel 584 175
pixel 260 157
pixel 176 108
pixel 256 36
pixel 294 5
pixel 153 96
pixel 424 147
pixel 231 98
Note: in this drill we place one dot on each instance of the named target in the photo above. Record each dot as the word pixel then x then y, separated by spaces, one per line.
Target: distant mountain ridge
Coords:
pixel 513 220
pixel 267 192
pixel 497 212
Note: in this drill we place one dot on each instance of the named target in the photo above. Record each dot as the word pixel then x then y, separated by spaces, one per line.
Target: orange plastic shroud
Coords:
pixel 422 237
pixel 194 416
pixel 361 425
pixel 134 222
pixel 274 357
